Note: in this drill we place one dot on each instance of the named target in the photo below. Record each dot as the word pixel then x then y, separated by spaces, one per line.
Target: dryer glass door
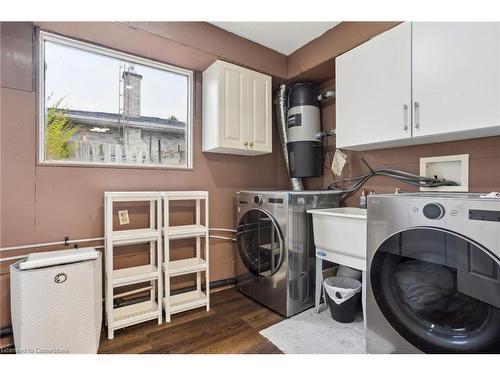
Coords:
pixel 439 290
pixel 260 243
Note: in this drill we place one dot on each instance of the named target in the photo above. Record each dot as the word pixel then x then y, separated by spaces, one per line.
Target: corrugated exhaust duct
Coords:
pixel 281 114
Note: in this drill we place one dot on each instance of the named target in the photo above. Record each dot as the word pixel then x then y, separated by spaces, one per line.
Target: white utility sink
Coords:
pixel 341 231
pixel 340 237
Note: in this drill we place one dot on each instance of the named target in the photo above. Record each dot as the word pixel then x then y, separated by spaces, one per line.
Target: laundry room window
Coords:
pixel 102 107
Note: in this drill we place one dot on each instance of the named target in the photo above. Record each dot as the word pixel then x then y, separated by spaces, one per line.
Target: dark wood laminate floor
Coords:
pixel 231 326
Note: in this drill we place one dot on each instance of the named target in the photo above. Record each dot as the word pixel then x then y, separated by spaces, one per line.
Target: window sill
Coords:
pixel 113 166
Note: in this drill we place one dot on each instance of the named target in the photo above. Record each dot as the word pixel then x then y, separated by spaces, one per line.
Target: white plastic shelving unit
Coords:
pixel 173 304
pixel 121 317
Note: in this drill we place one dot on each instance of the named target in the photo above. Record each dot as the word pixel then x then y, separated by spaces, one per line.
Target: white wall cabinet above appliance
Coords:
pixel 442 78
pixel 373 86
pixel 236 110
pixel 456 77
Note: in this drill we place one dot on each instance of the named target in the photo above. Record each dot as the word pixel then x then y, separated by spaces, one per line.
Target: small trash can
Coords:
pixel 343 296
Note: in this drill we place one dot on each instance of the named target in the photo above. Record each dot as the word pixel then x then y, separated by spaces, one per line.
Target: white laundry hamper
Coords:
pixel 56 302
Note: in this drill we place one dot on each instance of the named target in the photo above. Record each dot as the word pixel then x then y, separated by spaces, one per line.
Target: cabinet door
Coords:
pixel 456 76
pixel 373 90
pixel 259 112
pixel 232 106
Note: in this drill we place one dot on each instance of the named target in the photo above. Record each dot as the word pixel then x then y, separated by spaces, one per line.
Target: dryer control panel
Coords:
pixel 484 215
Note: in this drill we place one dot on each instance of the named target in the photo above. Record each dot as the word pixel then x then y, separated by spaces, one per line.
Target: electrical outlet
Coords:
pixel 123 217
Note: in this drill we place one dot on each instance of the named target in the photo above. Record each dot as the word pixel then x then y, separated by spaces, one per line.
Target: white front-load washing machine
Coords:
pixel 433 273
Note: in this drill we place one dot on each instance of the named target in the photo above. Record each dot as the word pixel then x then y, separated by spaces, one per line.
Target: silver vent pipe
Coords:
pixel 281 114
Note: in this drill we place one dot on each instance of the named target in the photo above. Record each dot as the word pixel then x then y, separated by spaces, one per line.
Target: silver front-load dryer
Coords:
pixel 276 262
pixel 433 274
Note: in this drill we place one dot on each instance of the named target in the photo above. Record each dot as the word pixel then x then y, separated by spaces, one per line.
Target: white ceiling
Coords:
pixel 284 37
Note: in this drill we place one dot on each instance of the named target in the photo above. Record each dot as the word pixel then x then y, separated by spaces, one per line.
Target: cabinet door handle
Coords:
pixel 251 144
pixel 417 115
pixel 245 144
pixel 405 117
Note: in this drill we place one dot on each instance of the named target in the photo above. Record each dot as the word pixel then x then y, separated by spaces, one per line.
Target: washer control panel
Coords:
pixel 433 211
pixel 258 199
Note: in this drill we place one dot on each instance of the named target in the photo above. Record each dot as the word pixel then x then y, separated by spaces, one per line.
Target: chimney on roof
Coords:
pixel 131 93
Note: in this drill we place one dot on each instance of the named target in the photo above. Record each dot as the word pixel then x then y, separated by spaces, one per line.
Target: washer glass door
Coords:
pixel 439 291
pixel 260 243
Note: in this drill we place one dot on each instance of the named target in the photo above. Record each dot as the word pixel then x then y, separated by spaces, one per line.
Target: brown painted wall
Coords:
pixel 191 45
pixel 215 41
pixel 312 59
pixel 484 163
pixel 46 203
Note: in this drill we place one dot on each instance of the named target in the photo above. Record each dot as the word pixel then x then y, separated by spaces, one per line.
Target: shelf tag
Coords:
pixel 123 217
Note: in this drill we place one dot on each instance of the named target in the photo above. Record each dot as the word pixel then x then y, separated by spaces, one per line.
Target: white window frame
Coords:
pixel 69 42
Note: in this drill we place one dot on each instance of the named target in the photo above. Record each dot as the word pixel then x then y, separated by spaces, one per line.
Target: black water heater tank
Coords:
pixel 305 151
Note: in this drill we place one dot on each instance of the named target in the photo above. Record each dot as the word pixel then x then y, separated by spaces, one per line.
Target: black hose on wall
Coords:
pixel 408 178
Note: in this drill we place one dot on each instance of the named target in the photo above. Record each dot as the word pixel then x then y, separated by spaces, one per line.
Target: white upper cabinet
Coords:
pixel 456 77
pixel 236 110
pixel 373 90
pixel 260 112
pixel 232 106
pixel 448 73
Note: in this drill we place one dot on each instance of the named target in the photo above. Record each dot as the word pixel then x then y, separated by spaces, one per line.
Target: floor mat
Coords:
pixel 311 333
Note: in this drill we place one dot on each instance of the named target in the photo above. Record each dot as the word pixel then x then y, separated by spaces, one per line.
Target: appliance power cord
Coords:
pixel 408 178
